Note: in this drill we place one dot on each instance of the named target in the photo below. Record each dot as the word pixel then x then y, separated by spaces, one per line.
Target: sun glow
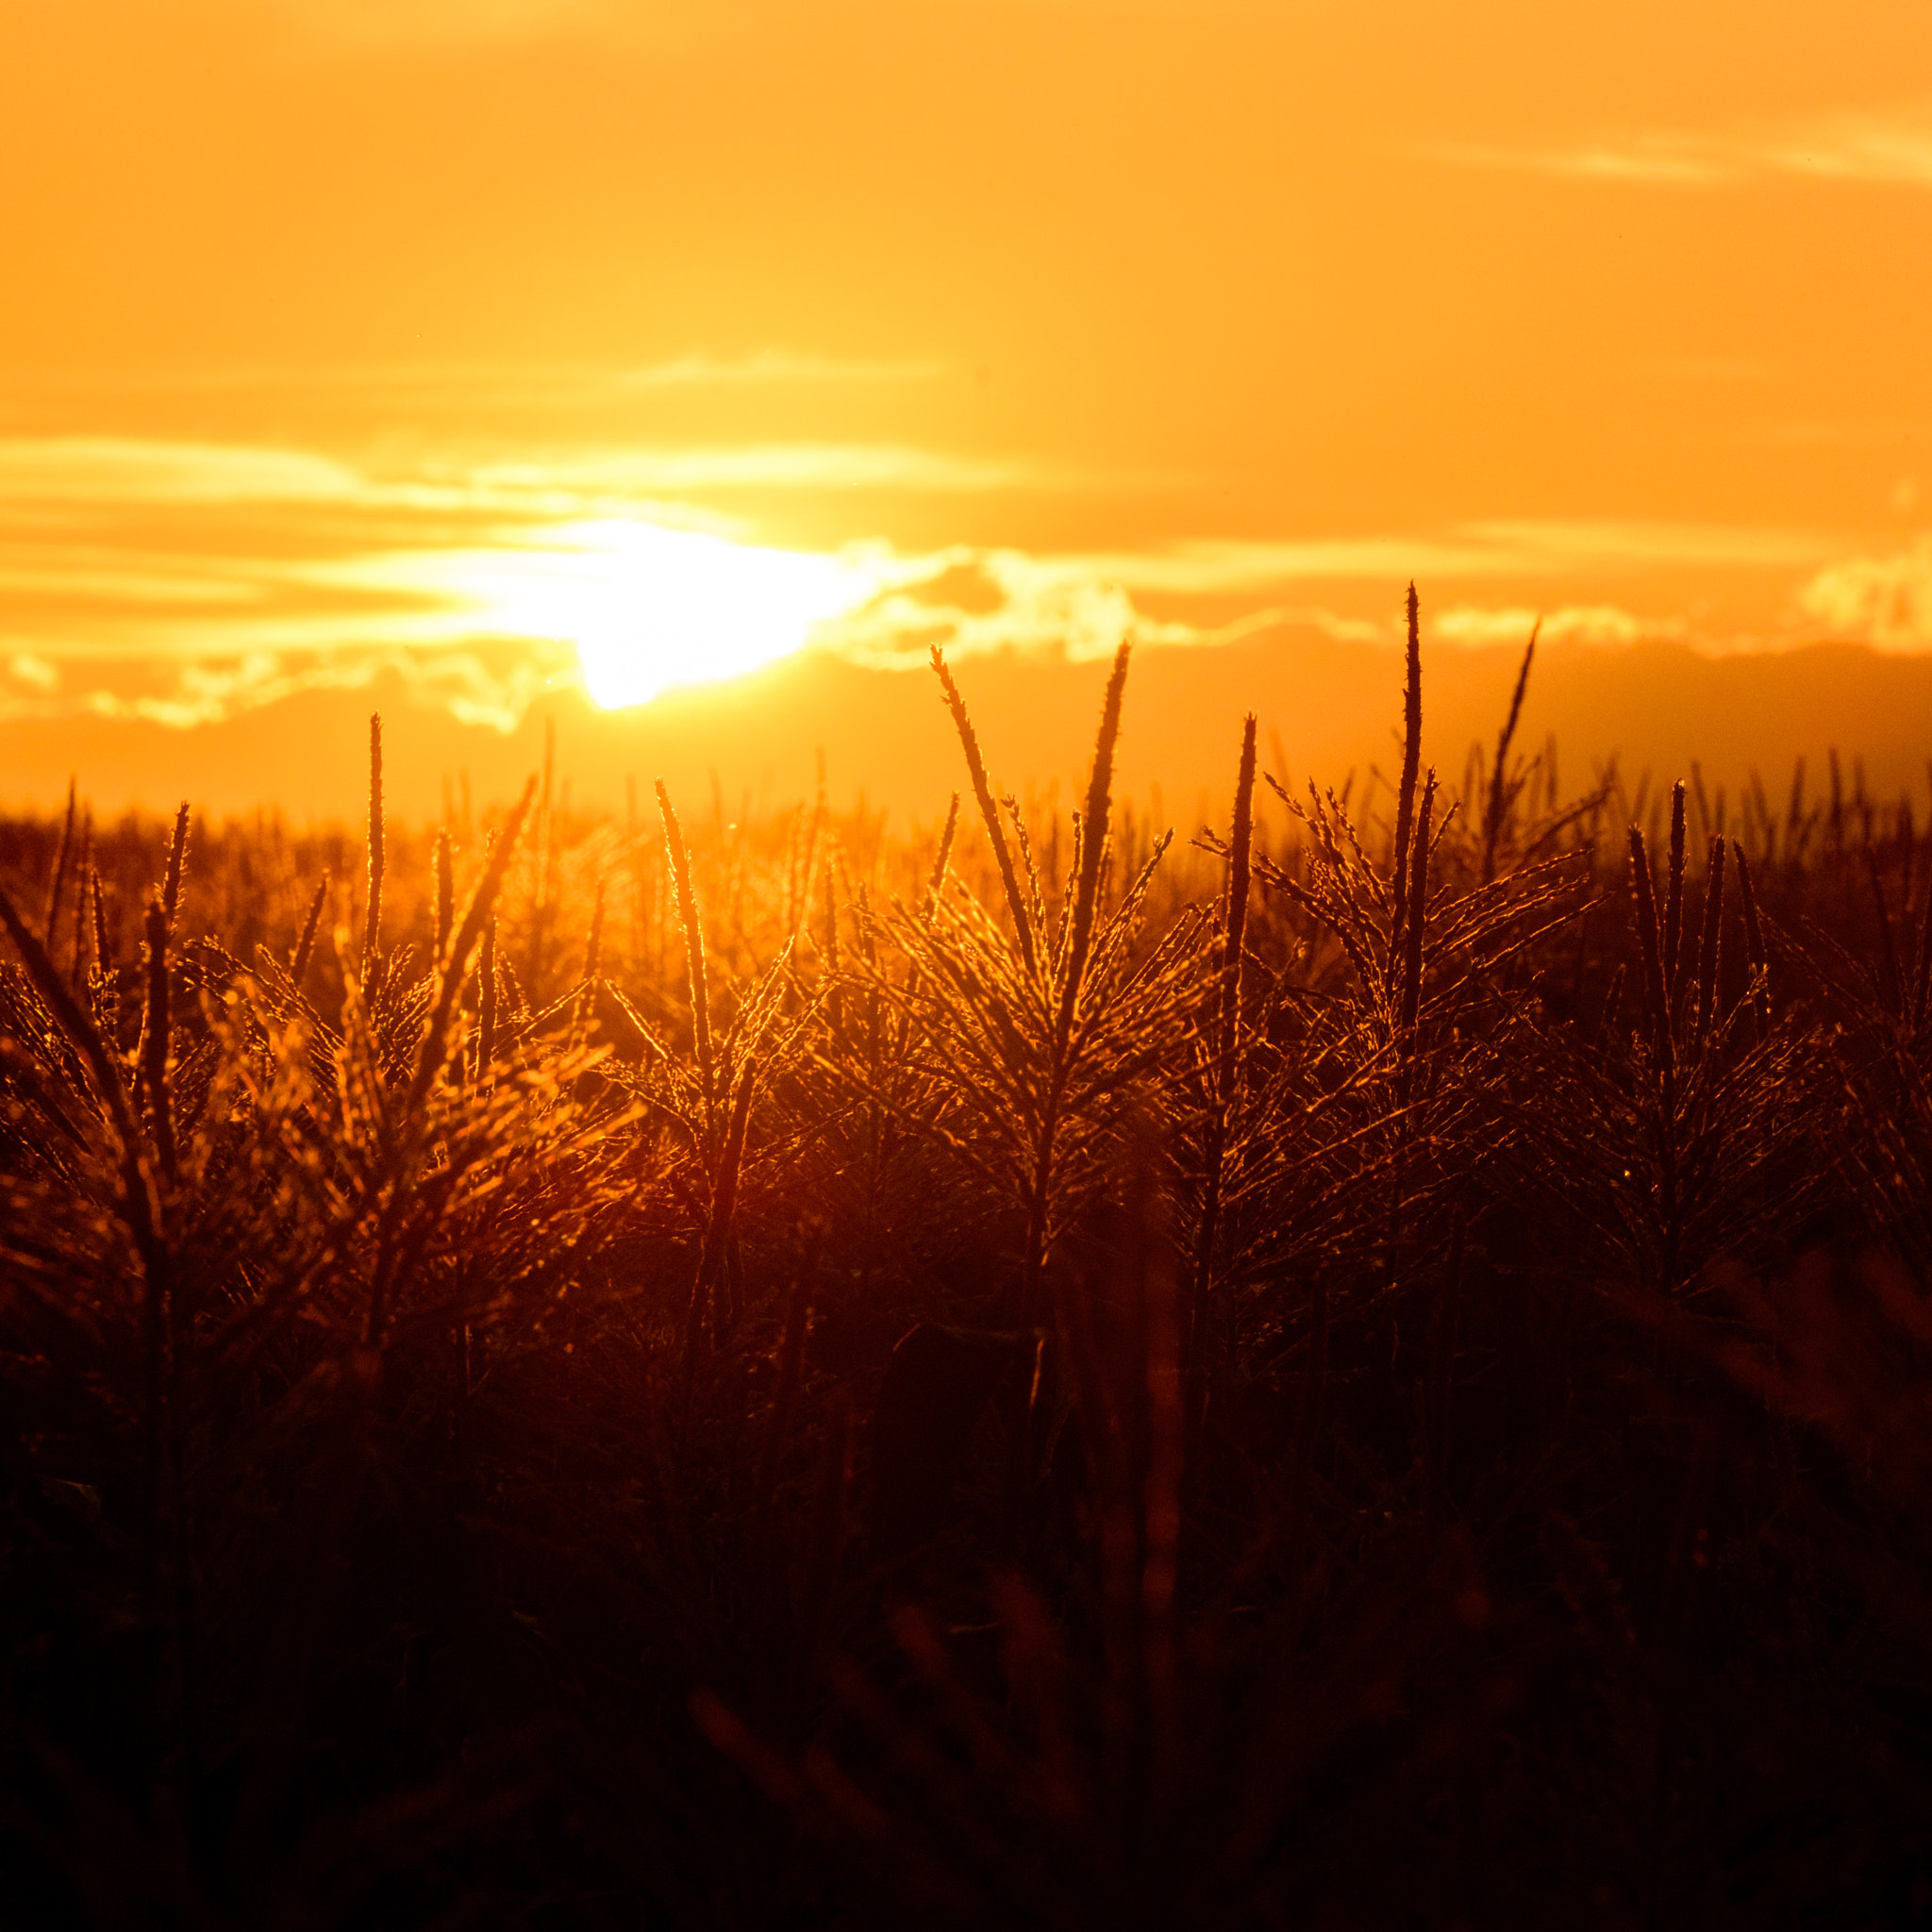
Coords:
pixel 647 606
pixel 650 609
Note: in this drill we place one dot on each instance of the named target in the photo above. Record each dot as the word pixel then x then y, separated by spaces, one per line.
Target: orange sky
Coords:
pixel 348 341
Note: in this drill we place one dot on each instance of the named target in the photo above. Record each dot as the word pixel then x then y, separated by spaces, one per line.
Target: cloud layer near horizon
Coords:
pixel 185 582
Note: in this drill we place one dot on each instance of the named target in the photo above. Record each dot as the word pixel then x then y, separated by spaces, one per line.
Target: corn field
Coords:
pixel 1368 1366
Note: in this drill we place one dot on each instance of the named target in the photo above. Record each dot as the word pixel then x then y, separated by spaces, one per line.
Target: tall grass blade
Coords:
pixel 103 951
pixel 305 945
pixel 593 967
pixel 1094 842
pixel 177 865
pixel 1411 765
pixel 1754 943
pixel 1499 786
pixel 1673 909
pixel 539 911
pixel 84 872
pixel 1036 893
pixel 936 882
pixel 988 812
pixel 1227 1055
pixel 154 1041
pixel 486 999
pixel 693 952
pixel 1655 1010
pixel 372 925
pixel 1235 921
pixel 1412 931
pixel 445 896
pixel 798 898
pixel 478 917
pixel 1711 953
pixel 835 1007
pixel 58 885
pixel 703 1287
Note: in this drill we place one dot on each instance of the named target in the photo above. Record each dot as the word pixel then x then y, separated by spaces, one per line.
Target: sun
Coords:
pixel 656 607
pixel 647 606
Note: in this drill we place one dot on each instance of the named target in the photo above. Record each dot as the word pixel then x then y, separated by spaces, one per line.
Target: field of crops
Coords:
pixel 1368 1366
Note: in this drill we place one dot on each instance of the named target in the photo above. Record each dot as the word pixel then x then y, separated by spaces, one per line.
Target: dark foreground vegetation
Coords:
pixel 1373 1370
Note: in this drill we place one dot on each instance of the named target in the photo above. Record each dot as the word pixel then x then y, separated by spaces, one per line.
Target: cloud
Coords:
pixel 1206 568
pixel 473 389
pixel 1565 544
pixel 103 577
pixel 70 470
pixel 114 471
pixel 301 498
pixel 1881 148
pixel 35 673
pixel 1503 548
pixel 766 466
pixel 216 579
pixel 1882 601
pixel 402 25
pixel 971 602
pixel 1672 160
pixel 484 682
pixel 775 367
pixel 1476 624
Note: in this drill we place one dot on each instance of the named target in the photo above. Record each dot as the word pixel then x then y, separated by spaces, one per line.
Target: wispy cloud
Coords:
pixel 1882 601
pixel 106 577
pixel 1563 543
pixel 686 486
pixel 775 367
pixel 402 25
pixel 1491 549
pixel 74 470
pixel 64 469
pixel 469 392
pixel 1876 148
pixel 768 466
pixel 1672 160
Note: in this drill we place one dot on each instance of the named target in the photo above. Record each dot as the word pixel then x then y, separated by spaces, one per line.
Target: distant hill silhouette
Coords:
pixel 1331 707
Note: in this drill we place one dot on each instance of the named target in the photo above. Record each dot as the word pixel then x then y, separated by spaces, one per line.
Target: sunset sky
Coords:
pixel 500 350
